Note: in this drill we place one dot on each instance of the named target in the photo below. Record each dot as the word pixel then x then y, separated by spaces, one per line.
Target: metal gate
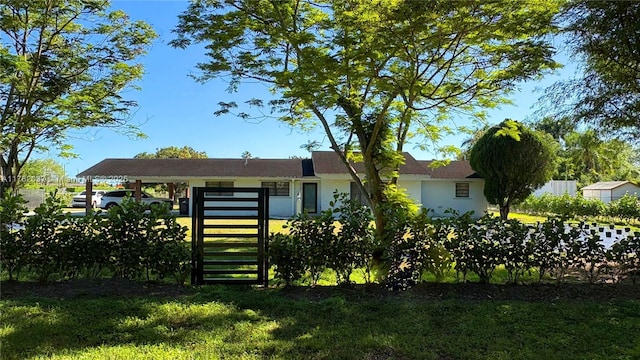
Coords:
pixel 230 228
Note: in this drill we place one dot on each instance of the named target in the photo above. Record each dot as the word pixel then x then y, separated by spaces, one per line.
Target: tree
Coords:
pixel 605 38
pixel 63 66
pixel 376 75
pixel 173 152
pixel 41 172
pixel 514 161
pixel 594 158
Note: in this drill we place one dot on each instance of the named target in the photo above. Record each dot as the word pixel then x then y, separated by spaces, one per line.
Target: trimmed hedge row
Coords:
pixel 125 242
pixel 422 244
pixel 626 208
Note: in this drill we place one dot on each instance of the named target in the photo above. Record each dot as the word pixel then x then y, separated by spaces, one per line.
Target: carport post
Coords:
pixel 88 202
pixel 171 190
pixel 138 190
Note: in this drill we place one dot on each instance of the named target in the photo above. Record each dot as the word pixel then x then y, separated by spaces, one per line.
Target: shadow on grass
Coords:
pixel 435 321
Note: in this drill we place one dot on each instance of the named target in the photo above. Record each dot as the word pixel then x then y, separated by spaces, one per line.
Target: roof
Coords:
pixel 455 169
pixel 286 168
pixel 321 162
pixel 328 162
pixel 605 185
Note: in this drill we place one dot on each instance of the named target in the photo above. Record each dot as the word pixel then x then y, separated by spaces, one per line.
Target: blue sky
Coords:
pixel 174 110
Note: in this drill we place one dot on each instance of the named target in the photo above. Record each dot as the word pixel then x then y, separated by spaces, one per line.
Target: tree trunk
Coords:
pixel 504 211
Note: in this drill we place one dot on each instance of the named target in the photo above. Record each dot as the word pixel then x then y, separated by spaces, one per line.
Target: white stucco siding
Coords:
pixel 326 189
pixel 279 206
pixel 413 188
pixel 440 195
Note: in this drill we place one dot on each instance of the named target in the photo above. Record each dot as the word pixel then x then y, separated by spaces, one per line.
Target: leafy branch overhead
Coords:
pixel 63 66
pixel 375 75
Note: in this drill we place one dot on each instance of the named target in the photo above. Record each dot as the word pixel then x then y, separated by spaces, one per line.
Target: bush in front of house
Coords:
pixel 127 242
pixel 340 238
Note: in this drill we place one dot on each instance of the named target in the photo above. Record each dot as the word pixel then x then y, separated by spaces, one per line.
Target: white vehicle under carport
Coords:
pixel 80 200
pixel 115 198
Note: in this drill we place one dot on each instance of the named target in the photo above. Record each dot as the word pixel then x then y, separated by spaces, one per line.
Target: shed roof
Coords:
pixel 606 185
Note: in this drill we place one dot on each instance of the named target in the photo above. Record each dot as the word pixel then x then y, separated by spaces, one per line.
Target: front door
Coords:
pixel 310 197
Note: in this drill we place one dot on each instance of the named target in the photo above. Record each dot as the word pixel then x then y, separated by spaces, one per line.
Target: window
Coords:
pixel 357 195
pixel 277 188
pixel 221 184
pixel 462 190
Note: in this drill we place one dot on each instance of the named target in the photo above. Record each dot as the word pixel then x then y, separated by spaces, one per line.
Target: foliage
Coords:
pixel 41 233
pixel 514 161
pixel 605 38
pixel 173 152
pixel 355 239
pixel 625 208
pixel 418 247
pixel 127 242
pixel 41 172
pixel 64 66
pixel 624 255
pixel 316 243
pixel 387 77
pixel 286 257
pixel 13 248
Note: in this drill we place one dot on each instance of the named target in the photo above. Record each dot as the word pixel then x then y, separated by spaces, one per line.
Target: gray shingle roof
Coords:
pixel 286 168
pixel 328 162
pixel 322 162
pixel 456 169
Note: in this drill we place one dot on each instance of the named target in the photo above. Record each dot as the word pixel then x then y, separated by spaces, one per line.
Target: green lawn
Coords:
pixel 220 322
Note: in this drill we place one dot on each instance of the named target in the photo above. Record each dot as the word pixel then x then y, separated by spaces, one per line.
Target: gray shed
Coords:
pixel 608 191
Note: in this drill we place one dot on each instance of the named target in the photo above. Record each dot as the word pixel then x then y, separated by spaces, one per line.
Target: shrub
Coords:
pixel 626 208
pixel 624 258
pixel 588 254
pixel 13 248
pixel 353 245
pixel 41 235
pixel 287 258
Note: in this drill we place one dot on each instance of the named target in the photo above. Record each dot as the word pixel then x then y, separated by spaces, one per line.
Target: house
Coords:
pixel 607 191
pixel 298 185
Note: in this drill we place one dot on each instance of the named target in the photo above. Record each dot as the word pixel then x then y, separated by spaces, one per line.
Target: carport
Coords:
pixel 136 172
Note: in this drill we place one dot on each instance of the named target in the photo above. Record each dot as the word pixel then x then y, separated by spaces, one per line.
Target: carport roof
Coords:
pixel 190 168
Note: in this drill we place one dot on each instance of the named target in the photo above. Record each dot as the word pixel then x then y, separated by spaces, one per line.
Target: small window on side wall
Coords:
pixel 462 190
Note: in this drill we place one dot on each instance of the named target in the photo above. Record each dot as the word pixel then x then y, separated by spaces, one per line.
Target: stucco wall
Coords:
pixel 440 195
pixel 279 206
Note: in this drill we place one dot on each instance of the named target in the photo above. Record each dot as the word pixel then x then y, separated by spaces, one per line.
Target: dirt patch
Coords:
pixel 428 292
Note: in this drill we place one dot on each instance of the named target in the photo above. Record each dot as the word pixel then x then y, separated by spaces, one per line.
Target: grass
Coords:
pixel 250 323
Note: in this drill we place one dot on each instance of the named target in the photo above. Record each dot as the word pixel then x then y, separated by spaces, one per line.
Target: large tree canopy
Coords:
pixel 63 65
pixel 374 74
pixel 605 38
pixel 173 152
pixel 514 161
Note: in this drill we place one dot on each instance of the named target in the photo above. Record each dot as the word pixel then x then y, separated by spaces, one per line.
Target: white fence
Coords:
pixel 557 188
